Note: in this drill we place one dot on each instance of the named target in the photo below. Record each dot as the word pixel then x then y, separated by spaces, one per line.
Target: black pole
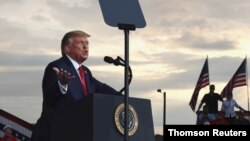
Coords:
pixel 164 114
pixel 126 32
pixel 126 28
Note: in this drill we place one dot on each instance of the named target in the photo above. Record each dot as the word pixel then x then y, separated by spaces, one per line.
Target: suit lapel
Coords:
pixel 75 85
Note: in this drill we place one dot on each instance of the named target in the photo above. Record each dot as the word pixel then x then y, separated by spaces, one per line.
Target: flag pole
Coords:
pixel 247 87
pixel 208 71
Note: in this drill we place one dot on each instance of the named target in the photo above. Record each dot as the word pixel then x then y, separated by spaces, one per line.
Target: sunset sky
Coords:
pixel 168 53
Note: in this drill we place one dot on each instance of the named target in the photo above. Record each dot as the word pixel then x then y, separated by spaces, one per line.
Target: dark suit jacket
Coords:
pixel 54 100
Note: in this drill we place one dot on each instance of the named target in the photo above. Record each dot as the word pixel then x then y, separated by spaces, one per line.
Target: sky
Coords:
pixel 167 54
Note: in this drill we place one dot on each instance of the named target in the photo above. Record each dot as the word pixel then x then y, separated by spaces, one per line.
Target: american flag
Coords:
pixel 202 82
pixel 238 79
pixel 21 129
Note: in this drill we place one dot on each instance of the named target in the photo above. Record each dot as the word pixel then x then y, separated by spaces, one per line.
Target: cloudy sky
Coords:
pixel 168 53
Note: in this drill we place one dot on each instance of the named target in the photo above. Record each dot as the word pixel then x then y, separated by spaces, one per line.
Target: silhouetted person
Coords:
pixel 211 100
pixel 205 117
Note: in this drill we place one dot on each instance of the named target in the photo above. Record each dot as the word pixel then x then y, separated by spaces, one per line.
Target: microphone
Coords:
pixel 108 59
pixel 116 61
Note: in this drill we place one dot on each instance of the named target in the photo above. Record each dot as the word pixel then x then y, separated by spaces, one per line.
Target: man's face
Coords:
pixel 212 88
pixel 78 48
pixel 229 96
pixel 8 132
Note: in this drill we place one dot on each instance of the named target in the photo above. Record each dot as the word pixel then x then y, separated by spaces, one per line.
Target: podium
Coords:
pixel 97 117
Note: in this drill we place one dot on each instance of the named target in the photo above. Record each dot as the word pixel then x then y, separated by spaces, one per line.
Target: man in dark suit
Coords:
pixel 66 80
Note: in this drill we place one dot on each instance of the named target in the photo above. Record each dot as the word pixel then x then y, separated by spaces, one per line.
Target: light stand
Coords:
pixel 164 110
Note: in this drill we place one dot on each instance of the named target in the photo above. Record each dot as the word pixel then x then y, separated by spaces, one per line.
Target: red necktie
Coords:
pixel 81 72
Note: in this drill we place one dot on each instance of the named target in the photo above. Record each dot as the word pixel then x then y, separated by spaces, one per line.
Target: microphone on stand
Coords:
pixel 108 59
pixel 116 61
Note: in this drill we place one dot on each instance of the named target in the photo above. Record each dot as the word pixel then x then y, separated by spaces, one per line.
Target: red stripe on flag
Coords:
pixel 238 79
pixel 203 81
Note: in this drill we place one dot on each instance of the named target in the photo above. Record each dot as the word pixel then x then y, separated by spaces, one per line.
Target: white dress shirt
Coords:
pixel 228 107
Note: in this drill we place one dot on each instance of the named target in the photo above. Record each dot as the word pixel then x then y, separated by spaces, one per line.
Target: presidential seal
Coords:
pixel 119 118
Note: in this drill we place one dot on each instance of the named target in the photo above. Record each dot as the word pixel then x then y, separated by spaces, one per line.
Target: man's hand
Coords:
pixel 63 76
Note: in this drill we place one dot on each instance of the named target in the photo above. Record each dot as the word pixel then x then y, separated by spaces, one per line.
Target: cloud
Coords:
pixel 22 83
pixel 227 11
pixel 7 2
pixel 21 40
pixel 223 68
pixel 22 105
pixel 210 11
pixel 11 31
pixel 40 18
pixel 24 60
pixel 73 14
pixel 202 43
